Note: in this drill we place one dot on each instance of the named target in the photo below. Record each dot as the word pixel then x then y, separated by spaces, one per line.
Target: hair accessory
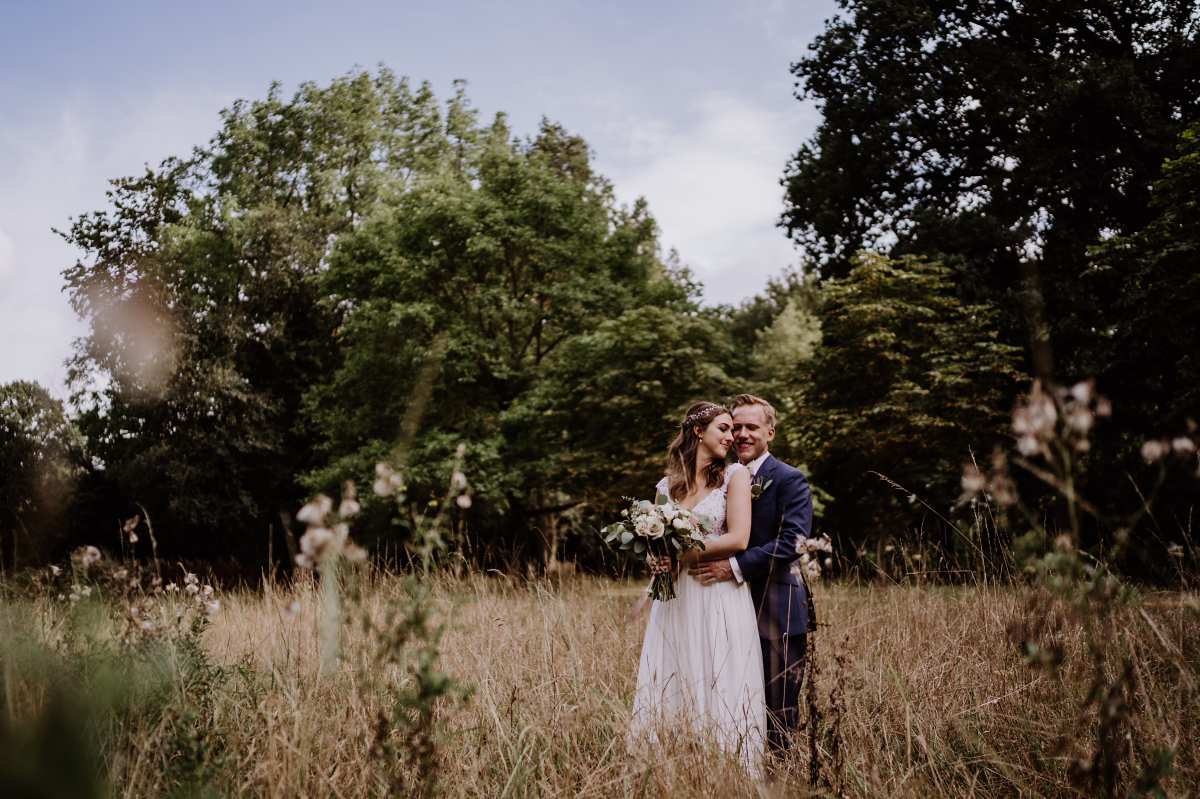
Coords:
pixel 707 413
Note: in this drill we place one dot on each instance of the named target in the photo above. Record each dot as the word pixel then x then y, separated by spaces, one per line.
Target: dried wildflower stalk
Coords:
pixel 1073 587
pixel 404 745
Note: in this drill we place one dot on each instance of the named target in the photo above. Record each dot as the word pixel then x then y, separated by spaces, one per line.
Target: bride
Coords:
pixel 700 673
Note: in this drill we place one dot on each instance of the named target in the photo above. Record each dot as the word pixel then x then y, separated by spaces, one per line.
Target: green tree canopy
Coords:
pixel 616 395
pixel 793 336
pixel 260 313
pixel 1002 138
pixel 206 321
pixel 1152 368
pixel 907 382
pixel 41 458
pixel 509 266
pixel 753 316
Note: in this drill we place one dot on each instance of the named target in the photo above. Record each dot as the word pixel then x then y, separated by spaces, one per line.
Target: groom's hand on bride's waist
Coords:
pixel 712 571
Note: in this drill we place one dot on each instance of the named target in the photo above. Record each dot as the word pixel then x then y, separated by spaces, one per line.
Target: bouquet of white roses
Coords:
pixel 653 529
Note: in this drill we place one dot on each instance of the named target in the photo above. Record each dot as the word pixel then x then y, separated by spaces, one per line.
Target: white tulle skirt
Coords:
pixel 701 672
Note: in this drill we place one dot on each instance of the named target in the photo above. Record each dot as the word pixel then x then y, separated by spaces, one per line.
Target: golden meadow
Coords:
pixel 919 690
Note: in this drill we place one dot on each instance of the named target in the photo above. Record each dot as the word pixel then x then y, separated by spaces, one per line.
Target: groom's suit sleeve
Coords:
pixel 795 522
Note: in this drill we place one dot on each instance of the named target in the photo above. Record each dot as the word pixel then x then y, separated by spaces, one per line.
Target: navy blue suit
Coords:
pixel 780 516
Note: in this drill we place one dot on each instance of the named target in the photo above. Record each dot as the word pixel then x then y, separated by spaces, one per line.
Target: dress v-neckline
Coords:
pixel 706 496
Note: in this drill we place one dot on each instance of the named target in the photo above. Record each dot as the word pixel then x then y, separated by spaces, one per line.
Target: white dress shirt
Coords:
pixel 753 466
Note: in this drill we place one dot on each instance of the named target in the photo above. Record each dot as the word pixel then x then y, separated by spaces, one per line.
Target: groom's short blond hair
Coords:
pixel 749 399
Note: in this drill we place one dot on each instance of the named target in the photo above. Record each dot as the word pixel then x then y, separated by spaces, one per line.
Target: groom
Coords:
pixel 780 515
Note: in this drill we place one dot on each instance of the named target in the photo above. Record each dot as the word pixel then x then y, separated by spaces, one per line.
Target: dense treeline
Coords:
pixel 365 273
pixel 267 314
pixel 1022 146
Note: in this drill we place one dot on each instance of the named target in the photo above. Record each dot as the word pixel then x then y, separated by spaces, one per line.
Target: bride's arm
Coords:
pixel 737 523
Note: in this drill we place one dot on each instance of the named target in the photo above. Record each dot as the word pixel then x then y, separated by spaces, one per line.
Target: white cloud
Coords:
pixel 713 184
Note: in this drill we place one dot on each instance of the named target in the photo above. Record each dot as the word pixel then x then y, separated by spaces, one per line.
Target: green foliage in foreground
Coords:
pixel 100 670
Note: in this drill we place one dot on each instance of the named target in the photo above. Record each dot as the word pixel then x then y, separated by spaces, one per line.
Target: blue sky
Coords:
pixel 688 104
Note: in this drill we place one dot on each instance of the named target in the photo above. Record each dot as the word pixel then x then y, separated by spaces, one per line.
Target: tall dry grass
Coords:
pixel 936 698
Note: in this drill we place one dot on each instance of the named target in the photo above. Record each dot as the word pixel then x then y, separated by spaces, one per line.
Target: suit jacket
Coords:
pixel 780 516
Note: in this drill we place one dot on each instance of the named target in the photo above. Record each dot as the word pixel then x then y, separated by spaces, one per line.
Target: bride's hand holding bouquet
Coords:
pixel 650 531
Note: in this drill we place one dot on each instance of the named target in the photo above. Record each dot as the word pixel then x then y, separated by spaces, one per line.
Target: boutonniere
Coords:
pixel 758 486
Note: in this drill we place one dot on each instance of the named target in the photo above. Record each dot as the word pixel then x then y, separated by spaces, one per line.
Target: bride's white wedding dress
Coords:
pixel 700 673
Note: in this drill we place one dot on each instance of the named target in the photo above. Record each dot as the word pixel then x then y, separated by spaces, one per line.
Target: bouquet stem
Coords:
pixel 662 587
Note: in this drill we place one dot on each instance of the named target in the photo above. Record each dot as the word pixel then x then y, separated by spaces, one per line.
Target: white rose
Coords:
pixel 642 527
pixel 669 513
pixel 656 528
pixel 680 523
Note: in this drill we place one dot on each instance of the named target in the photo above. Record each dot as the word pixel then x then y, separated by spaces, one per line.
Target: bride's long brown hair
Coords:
pixel 681 455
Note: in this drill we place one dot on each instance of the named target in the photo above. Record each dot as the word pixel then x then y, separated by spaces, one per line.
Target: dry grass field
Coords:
pixel 931 697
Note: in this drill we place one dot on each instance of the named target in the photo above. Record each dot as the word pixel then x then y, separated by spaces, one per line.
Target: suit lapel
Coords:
pixel 762 516
pixel 767 469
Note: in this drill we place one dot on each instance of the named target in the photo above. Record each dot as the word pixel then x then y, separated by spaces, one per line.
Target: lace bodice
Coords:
pixel 713 505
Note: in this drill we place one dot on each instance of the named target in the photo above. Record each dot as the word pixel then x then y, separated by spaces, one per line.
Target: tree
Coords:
pixel 1152 371
pixel 268 315
pixel 207 319
pixel 747 322
pixel 1149 366
pixel 501 266
pixel 793 337
pixel 1003 138
pixel 612 404
pixel 907 383
pixel 41 457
